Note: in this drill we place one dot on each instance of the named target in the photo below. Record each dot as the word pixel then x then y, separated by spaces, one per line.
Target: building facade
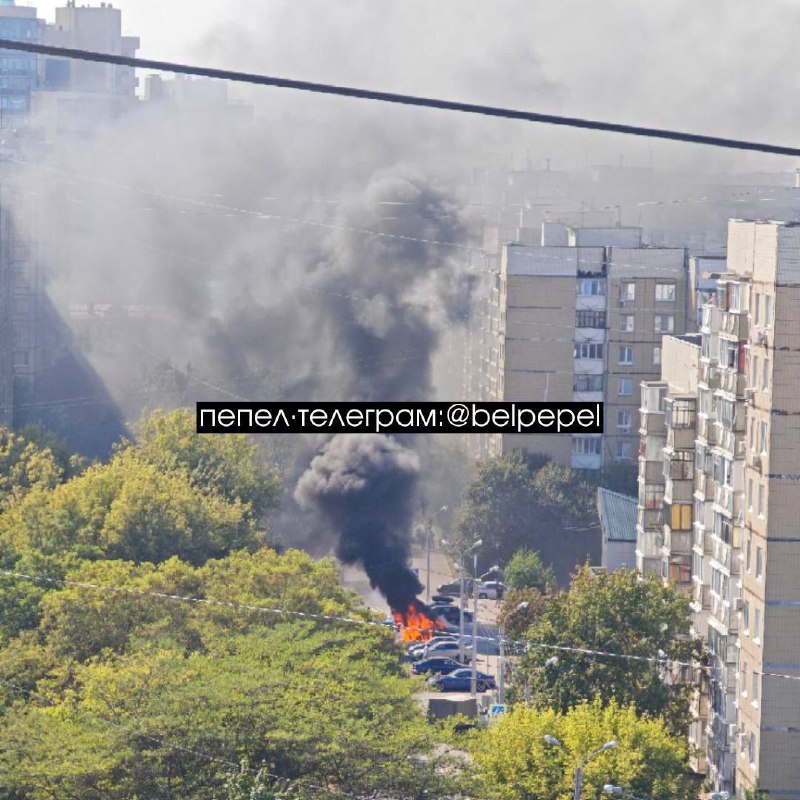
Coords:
pixel 729 416
pixel 583 321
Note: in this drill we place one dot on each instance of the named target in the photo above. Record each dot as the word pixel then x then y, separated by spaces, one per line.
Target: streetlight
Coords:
pixel 501 689
pixel 473 679
pixel 610 745
pixel 462 603
pixel 428 549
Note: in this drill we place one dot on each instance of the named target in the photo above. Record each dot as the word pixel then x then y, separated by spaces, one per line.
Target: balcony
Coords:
pixel 681 438
pixel 650 519
pixel 709 375
pixel 678 491
pixel 720 612
pixel 651 423
pixel 707 428
pixel 732 382
pixel 651 472
pixel 701 595
pixel 734 324
pixel 648 544
pixel 702 542
pixel 677 542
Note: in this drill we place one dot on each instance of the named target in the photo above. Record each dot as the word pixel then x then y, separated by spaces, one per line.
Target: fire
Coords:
pixel 416 626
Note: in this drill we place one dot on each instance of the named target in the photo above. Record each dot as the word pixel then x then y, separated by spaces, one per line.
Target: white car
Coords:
pixel 448 649
pixel 491 590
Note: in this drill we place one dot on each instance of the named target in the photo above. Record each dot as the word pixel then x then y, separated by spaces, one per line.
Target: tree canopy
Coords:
pixel 526 571
pixel 514 761
pixel 517 502
pixel 618 613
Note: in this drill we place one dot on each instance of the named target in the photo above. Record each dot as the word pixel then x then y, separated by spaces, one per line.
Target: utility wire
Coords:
pixel 399 99
pixel 64 582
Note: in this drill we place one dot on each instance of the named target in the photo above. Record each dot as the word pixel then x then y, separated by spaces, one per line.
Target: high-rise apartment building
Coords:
pixel 582 319
pixel 741 406
pixel 18 69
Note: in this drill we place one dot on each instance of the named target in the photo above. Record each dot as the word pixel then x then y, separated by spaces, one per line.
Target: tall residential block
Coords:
pixel 584 321
pixel 739 401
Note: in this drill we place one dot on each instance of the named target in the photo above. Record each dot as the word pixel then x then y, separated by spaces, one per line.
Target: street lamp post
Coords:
pixel 581 765
pixel 501 686
pixel 428 549
pixel 462 602
pixel 476 580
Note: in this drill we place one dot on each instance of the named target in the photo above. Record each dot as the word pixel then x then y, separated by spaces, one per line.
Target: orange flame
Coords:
pixel 416 626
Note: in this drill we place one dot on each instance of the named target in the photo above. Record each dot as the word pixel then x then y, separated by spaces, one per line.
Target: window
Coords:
pixel 592 350
pixel 752 749
pixel 763 437
pixel 744 679
pixel 665 323
pixel 624 451
pixel 665 292
pixel 627 292
pixel 626 355
pixel 656 356
pixel 749 495
pixel 742 743
pixel 760 500
pixel 590 319
pixel 752 434
pixel 587 445
pixel 588 383
pixel 627 323
pixel 624 387
pixel 768 310
pixel 759 563
pixel 757 624
pixel 681 517
pixel 746 616
pixel 591 287
pixel 624 420
pixel 756 307
pixel 680 569
pixel 754 692
pixel 748 554
pixel 754 372
pixel 765 375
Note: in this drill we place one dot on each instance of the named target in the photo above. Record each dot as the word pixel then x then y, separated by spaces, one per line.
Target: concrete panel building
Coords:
pixel 742 513
pixel 584 322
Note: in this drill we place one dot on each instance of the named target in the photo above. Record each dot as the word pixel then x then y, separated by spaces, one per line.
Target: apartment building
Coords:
pixel 582 320
pixel 737 398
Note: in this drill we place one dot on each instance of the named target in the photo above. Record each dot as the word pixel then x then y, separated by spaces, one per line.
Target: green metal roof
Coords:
pixel 617 516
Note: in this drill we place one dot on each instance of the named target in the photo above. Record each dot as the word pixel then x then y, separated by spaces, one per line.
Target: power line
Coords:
pixel 62 582
pixel 398 99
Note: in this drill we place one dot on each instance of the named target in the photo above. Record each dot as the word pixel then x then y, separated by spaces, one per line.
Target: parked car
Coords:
pixel 491 590
pixel 451 614
pixel 454 588
pixel 448 649
pixel 443 599
pixel 418 648
pixel 438 664
pixel 460 680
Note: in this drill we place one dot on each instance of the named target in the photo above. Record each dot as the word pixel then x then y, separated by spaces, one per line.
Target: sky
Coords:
pixel 714 67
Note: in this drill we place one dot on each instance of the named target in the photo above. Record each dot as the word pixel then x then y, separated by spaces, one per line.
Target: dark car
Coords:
pixel 459 680
pixel 443 599
pixel 454 588
pixel 442 666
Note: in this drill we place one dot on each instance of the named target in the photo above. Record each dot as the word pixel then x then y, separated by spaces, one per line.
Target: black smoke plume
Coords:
pixel 363 486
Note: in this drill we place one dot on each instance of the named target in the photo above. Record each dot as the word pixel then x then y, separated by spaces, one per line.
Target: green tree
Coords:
pixel 140 696
pixel 24 464
pixel 228 464
pixel 526 571
pixel 129 509
pixel 517 502
pixel 515 762
pixel 616 613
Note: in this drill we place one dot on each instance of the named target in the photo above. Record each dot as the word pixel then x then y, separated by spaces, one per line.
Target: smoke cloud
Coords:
pixel 363 486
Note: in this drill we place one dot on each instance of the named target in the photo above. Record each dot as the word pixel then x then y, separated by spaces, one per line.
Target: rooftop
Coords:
pixel 617 515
